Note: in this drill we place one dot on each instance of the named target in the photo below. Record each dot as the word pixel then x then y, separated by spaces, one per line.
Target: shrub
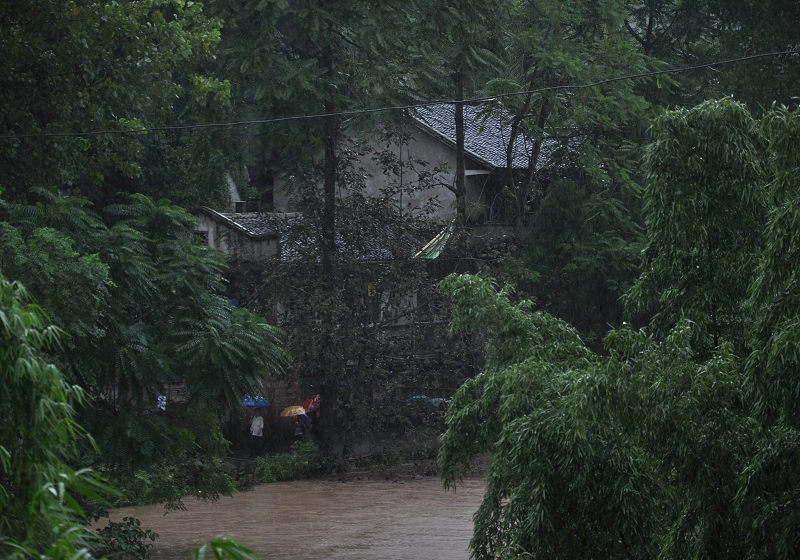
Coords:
pixel 124 540
pixel 303 461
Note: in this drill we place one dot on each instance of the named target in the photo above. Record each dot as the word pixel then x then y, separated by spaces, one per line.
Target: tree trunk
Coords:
pixel 510 182
pixel 525 187
pixel 329 137
pixel 461 184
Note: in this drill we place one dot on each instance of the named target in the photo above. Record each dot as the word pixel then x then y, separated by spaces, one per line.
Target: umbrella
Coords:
pixel 295 410
pixel 258 402
pixel 439 403
pixel 416 399
pixel 312 403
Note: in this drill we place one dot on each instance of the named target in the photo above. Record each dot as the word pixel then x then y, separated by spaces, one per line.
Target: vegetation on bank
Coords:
pixel 46 504
pixel 303 461
pixel 680 440
pixel 38 437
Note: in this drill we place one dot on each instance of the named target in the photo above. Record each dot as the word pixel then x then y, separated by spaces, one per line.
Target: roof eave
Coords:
pixel 431 132
pixel 238 227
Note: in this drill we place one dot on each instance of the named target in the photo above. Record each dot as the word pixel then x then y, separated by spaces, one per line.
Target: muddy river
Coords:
pixel 357 520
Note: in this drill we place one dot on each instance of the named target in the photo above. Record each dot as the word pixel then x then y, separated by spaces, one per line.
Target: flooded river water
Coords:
pixel 357 520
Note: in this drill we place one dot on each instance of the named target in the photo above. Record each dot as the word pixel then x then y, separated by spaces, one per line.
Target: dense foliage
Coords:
pixel 142 304
pixel 579 195
pixel 679 443
pixel 38 438
pixel 705 207
pixel 72 66
pixel 125 539
pixel 594 457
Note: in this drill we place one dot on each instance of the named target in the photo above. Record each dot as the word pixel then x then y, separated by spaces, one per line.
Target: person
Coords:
pixel 256 433
pixel 299 429
pixel 315 427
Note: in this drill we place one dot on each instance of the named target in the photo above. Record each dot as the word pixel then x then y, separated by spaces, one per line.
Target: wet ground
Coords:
pixel 356 520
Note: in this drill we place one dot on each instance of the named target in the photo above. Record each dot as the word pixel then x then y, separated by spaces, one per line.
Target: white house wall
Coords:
pixel 235 243
pixel 212 229
pixel 422 147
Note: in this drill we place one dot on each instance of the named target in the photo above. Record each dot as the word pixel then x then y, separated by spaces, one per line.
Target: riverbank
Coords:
pixel 407 470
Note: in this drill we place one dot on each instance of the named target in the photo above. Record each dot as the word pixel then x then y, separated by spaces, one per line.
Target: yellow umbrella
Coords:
pixel 295 410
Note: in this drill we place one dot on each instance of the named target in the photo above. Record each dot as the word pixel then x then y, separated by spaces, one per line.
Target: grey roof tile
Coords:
pixel 486 135
pixel 256 223
pixel 358 238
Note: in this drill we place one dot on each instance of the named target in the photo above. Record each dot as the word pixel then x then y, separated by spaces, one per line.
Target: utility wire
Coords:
pixel 397 107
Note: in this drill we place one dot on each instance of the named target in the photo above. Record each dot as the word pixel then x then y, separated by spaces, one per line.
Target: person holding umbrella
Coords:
pixel 299 429
pixel 312 405
pixel 256 433
pixel 299 426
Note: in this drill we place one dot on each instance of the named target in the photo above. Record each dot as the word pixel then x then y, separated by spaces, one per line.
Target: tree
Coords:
pixel 676 34
pixel 679 443
pixel 38 438
pixel 454 44
pixel 320 58
pixel 704 212
pixel 583 252
pixel 769 479
pixel 142 302
pixel 575 208
pixel 745 28
pixel 691 32
pixel 666 29
pixel 633 455
pixel 552 45
pixel 73 68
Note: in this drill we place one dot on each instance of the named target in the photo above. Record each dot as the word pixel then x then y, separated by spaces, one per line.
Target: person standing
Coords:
pixel 256 433
pixel 299 429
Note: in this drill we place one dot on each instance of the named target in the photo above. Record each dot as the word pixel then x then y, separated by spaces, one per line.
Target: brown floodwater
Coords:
pixel 321 519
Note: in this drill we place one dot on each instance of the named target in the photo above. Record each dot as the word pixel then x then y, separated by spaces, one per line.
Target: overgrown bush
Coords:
pixel 185 462
pixel 171 483
pixel 124 539
pixel 303 461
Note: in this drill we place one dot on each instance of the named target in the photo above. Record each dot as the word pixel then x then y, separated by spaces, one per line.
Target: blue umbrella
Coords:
pixel 258 401
pixel 418 399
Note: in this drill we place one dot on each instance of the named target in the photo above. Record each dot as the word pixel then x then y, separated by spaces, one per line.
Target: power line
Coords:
pixel 398 107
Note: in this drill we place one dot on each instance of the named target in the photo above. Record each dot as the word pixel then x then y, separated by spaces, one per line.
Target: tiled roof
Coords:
pixel 356 237
pixel 257 224
pixel 486 136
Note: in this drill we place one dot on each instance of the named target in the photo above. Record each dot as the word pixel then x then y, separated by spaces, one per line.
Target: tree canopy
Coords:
pixel 143 305
pixel 677 443
pixel 69 67
pixel 39 436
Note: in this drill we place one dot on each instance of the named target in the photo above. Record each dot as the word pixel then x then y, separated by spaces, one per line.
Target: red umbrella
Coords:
pixel 312 403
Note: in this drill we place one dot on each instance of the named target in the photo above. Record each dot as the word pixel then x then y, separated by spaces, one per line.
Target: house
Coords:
pixel 260 236
pixel 267 239
pixel 257 236
pixel 433 140
pixel 245 236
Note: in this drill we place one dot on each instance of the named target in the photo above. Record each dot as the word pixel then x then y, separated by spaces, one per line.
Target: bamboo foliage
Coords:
pixel 680 441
